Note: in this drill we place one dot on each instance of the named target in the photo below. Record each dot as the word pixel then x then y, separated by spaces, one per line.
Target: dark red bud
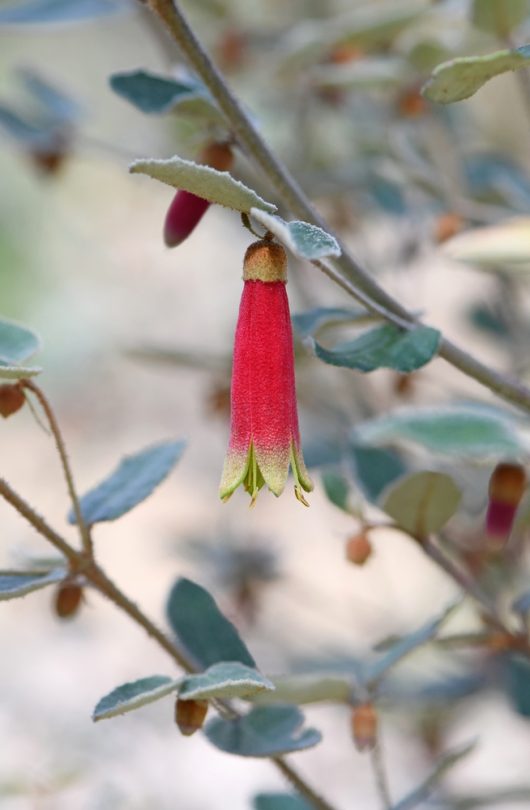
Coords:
pixel 506 488
pixel 11 399
pixel 68 599
pixel 184 214
pixel 187 210
pixel 190 715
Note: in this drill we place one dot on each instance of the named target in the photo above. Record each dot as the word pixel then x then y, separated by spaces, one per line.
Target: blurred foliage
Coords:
pixel 336 86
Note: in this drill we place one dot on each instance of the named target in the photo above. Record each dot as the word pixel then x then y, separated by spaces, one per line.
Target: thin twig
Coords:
pixel 37 521
pixel 381 780
pixel 84 530
pixel 360 281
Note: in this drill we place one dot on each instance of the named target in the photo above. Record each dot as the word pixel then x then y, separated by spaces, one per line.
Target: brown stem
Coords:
pixel 84 530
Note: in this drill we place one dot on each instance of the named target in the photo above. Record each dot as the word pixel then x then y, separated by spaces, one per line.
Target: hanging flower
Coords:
pixel 264 438
pixel 186 209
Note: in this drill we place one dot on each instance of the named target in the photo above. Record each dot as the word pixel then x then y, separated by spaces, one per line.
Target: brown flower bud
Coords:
pixel 68 599
pixel 446 226
pixel 358 548
pixel 11 399
pixel 189 715
pixel 364 727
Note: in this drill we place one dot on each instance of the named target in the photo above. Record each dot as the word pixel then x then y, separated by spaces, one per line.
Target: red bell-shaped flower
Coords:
pixel 264 439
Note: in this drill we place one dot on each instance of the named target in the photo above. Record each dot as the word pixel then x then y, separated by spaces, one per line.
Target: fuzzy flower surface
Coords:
pixel 264 436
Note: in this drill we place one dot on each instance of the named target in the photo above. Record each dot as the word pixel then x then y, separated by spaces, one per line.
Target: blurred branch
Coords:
pixel 84 530
pixel 353 278
pixel 381 781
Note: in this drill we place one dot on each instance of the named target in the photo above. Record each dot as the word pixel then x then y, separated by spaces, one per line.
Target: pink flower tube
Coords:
pixel 264 437
pixel 506 489
pixel 186 209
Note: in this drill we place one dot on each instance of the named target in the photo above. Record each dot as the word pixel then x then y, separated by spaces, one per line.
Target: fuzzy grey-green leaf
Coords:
pixel 266 731
pixel 14 584
pixel 203 181
pixel 202 629
pixel 456 430
pixel 132 482
pixel 460 78
pixel 130 696
pixel 422 503
pixel 384 346
pixel 227 679
pixel 17 343
pixel 304 240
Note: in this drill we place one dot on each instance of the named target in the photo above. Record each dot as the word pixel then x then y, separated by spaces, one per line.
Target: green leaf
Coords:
pixel 499 18
pixel 154 94
pixel 201 627
pixel 444 764
pixel 422 503
pixel 130 696
pixel 17 343
pixel 365 74
pixel 461 78
pixel 308 687
pixel 131 483
pixel 370 26
pixel 375 468
pixel 455 430
pixel 517 683
pixel 406 645
pixel 224 680
pixel 38 12
pixel 279 801
pixel 203 181
pixel 337 488
pixel 19 583
pixel 303 240
pixel 266 731
pixel 502 247
pixel 384 347
pixel 308 323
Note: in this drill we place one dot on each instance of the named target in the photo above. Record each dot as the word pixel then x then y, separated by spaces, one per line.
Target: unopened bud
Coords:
pixel 411 103
pixel 358 549
pixel 506 488
pixel 364 727
pixel 187 210
pixel 447 225
pixel 189 715
pixel 68 599
pixel 11 399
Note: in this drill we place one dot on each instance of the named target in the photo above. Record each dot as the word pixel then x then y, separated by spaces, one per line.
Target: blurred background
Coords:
pixel 137 341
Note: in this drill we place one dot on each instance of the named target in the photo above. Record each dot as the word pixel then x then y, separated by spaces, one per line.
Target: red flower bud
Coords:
pixel 187 210
pixel 12 399
pixel 364 727
pixel 358 549
pixel 190 715
pixel 264 439
pixel 506 488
